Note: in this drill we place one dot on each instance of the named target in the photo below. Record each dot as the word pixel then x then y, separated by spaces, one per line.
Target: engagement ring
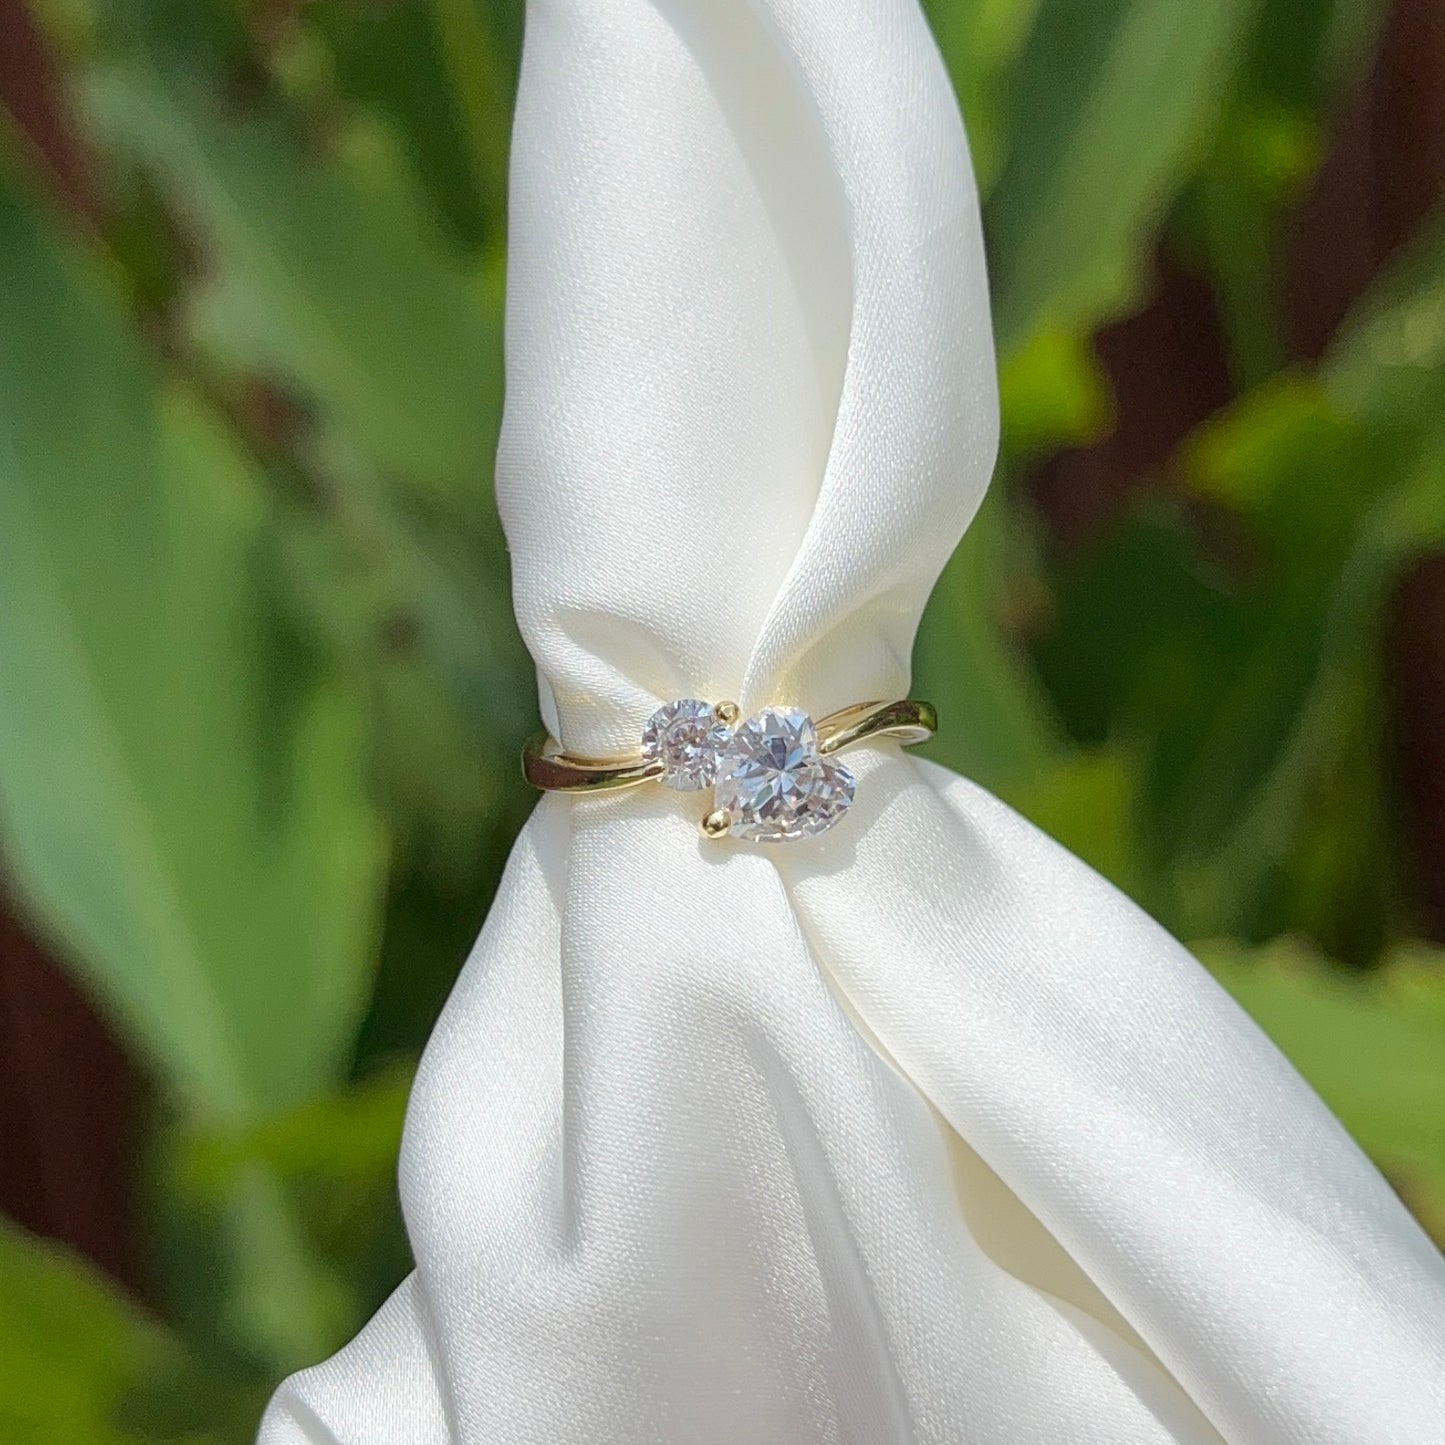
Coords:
pixel 773 776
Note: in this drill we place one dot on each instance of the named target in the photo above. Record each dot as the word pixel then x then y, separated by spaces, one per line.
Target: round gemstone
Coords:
pixel 774 785
pixel 687 736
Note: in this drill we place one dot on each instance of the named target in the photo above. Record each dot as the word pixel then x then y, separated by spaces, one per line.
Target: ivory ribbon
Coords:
pixel 918 1132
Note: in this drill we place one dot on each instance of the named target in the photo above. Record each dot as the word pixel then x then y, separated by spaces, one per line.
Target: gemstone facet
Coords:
pixel 773 783
pixel 687 736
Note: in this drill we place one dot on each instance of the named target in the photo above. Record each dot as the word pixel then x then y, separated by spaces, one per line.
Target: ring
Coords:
pixel 773 776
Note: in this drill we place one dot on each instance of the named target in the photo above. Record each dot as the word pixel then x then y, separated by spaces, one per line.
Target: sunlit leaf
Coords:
pixel 1053 394
pixel 1301 58
pixel 1386 366
pixel 182 791
pixel 1258 685
pixel 69 1348
pixel 1111 106
pixel 84 1366
pixel 326 277
pixel 1343 485
pixel 980 41
pixel 480 88
pixel 1372 1047
pixel 1000 729
pixel 325 274
pixel 450 105
pixel 1086 801
pixel 182 782
pixel 346 1136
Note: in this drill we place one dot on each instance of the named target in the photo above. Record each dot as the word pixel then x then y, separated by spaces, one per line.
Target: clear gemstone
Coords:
pixel 688 737
pixel 774 785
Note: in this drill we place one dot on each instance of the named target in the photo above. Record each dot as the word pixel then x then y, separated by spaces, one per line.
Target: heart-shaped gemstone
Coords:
pixel 772 782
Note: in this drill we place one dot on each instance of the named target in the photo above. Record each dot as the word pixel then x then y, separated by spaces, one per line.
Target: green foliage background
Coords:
pixel 262 694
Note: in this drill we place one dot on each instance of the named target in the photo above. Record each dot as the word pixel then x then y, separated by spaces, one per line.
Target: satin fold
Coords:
pixel 918 1133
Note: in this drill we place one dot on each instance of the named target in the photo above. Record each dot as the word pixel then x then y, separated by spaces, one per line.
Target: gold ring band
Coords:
pixel 909 721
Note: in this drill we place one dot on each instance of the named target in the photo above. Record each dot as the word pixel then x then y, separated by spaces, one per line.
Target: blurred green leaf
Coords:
pixel 980 41
pixel 336 1158
pixel 1001 731
pixel 1352 31
pixel 182 782
pixel 351 1135
pixel 182 791
pixel 1263 156
pixel 1373 1047
pixel 1144 636
pixel 481 90
pixel 1300 54
pixel 1112 103
pixel 1086 801
pixel 449 105
pixel 206 38
pixel 84 1366
pixel 1053 394
pixel 328 279
pixel 70 1348
pixel 422 612
pixel 325 274
pixel 1255 675
pixel 1344 484
pixel 1386 366
pixel 1302 51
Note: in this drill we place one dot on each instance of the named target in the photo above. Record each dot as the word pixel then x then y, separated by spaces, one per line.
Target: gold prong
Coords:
pixel 727 712
pixel 715 825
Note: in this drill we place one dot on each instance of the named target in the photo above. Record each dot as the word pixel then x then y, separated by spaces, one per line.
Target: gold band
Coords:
pixel 909 721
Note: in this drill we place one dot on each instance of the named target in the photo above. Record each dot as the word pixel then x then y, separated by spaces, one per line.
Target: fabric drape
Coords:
pixel 915 1132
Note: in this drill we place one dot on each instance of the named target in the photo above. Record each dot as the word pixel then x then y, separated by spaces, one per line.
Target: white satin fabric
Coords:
pixel 918 1132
